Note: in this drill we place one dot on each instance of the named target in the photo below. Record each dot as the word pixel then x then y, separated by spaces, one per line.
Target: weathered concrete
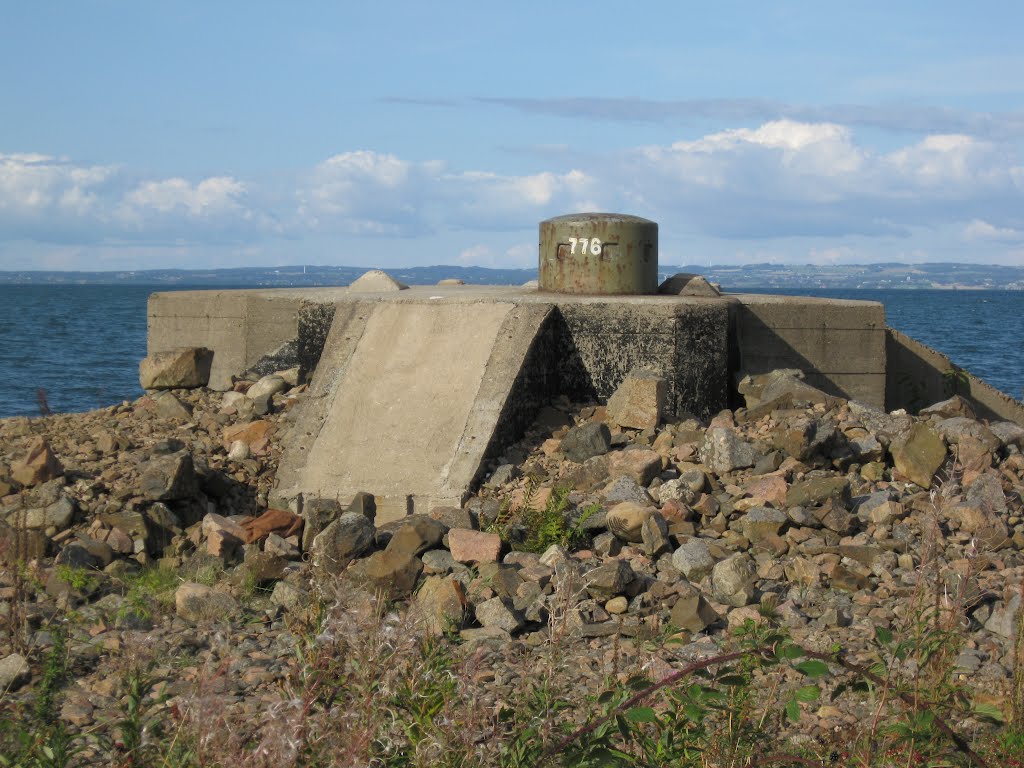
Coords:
pixel 840 345
pixel 918 376
pixel 491 356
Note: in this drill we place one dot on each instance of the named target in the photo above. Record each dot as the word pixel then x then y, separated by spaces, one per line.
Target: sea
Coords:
pixel 77 347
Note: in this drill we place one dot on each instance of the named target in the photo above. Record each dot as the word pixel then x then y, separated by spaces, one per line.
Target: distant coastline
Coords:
pixel 758 277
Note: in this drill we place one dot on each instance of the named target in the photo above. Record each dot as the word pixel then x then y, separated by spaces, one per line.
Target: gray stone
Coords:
pixel 58 516
pixel 686 488
pixel 500 613
pixel 626 489
pixel 1008 433
pixel 693 559
pixel 288 596
pixel 417 535
pixel 200 603
pixel 1003 621
pixel 170 407
pixel 732 581
pixel 761 522
pixel 609 579
pixel 952 430
pixel 724 450
pixel 318 514
pixel 504 474
pixel 168 478
pixel 586 441
pixel 85 553
pixel 816 490
pixel 948 409
pixel 14 673
pixel 440 561
pixel 340 542
pixel 691 611
pixel 654 534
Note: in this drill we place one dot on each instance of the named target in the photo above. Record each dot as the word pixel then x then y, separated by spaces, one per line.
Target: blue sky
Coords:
pixel 152 135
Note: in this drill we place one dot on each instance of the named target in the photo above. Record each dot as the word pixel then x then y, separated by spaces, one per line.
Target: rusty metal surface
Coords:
pixel 599 254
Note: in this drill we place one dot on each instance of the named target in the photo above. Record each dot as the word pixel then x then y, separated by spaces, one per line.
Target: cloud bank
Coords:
pixel 785 178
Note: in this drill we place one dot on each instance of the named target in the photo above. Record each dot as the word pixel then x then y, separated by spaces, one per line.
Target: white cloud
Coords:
pixel 773 183
pixel 977 229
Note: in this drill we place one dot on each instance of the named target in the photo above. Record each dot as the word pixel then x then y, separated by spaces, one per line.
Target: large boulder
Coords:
pixel 585 441
pixel 639 401
pixel 166 478
pixel 342 541
pixel 183 368
pixel 918 454
pixel 724 450
pixel 39 465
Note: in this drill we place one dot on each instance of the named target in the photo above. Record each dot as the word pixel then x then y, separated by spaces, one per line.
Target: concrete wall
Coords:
pixel 919 376
pixel 241 327
pixel 840 345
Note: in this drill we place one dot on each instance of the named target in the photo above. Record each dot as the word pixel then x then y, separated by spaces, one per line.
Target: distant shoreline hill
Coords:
pixel 748 277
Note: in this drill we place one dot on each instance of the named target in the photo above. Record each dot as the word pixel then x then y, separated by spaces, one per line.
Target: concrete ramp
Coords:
pixel 408 397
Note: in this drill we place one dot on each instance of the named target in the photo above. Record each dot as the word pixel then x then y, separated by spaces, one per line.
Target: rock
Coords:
pixel 268 386
pixel 200 603
pixel 693 559
pixel 170 407
pixel 691 611
pixel 498 612
pixel 376 281
pixel 223 537
pixel 184 368
pixel 760 523
pixel 391 573
pixel 955 429
pixel 453 517
pixel 276 545
pixel 439 561
pixel 1004 620
pixel 255 434
pixel 274 521
pixel 469 546
pixel 732 581
pixel 38 466
pixel 948 409
pixel 585 476
pixel 318 514
pixel 443 603
pixel 1008 433
pixel 588 440
pixel 918 454
pixel 239 451
pixel 168 478
pixel 343 540
pixel 416 536
pixel 639 401
pixel 642 465
pixel 654 534
pixel 724 450
pixel 609 579
pixel 799 390
pixel 289 596
pixel 503 475
pixel 14 673
pixel 688 284
pixel 834 516
pixel 626 520
pixel 85 553
pixel 617 605
pixel 816 490
pixel 625 489
pixel 261 568
pixel 982 511
pixel 686 488
pixel 57 516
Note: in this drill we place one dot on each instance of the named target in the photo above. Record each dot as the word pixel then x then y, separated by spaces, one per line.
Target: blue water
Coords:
pixel 82 344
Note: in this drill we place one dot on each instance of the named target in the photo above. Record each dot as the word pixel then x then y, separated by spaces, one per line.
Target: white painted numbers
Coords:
pixel 593 244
